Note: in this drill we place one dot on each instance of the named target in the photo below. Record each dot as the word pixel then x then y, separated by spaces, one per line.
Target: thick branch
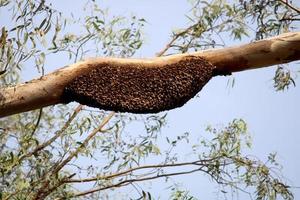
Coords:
pixel 145 85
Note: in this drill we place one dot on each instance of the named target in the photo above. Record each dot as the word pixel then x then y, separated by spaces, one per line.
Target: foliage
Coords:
pixel 283 78
pixel 179 194
pixel 213 22
pixel 49 152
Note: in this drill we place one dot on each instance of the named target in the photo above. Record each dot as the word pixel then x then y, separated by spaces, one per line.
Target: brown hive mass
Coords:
pixel 140 89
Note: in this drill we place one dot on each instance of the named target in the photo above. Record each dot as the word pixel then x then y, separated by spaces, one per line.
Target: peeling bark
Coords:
pixel 172 80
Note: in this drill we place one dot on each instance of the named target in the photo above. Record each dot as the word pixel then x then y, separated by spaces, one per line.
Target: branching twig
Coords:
pixel 197 163
pixel 125 182
pixel 175 37
pixel 47 143
pixel 43 192
pixel 286 2
pixel 84 143
pixel 57 134
pixel 37 122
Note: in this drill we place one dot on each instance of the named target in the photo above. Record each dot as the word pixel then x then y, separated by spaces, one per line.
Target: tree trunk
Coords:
pixel 139 85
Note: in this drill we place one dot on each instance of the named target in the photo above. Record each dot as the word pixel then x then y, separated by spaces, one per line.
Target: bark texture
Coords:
pixel 145 85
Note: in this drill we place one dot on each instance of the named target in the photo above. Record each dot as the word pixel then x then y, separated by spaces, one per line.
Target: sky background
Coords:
pixel 273 118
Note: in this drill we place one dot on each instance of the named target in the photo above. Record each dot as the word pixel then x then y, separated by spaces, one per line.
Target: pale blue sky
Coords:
pixel 273 117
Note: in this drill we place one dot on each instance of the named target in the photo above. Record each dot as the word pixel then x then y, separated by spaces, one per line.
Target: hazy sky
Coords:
pixel 273 117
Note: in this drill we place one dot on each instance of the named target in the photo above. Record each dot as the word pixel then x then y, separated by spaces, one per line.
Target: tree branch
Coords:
pixel 125 182
pixel 45 144
pixel 56 135
pixel 84 143
pixel 286 2
pixel 175 37
pixel 134 84
pixel 118 174
pixel 43 192
pixel 186 31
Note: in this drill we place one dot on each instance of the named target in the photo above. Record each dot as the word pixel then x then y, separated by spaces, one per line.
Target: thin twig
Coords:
pixel 286 2
pixel 60 183
pixel 290 19
pixel 197 163
pixel 175 37
pixel 37 122
pixel 57 134
pixel 47 143
pixel 84 143
pixel 125 182
pixel 43 191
